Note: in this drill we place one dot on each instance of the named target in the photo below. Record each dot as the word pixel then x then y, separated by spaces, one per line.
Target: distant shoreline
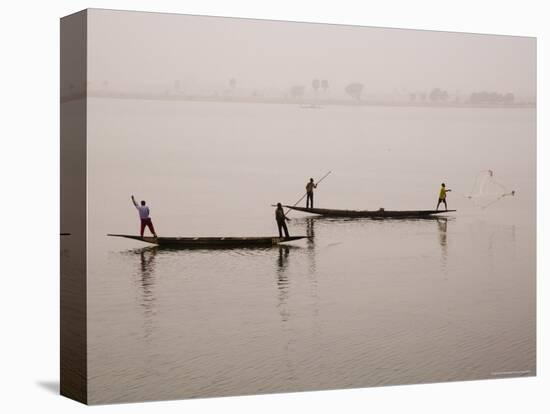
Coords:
pixel 309 103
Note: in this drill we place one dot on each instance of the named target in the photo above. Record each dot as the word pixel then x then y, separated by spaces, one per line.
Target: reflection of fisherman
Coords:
pixel 309 191
pixel 144 217
pixel 442 196
pixel 310 229
pixel 442 226
pixel 147 256
pixel 281 218
pixel 283 256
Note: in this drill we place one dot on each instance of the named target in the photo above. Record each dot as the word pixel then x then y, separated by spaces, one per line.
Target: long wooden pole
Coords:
pixel 318 182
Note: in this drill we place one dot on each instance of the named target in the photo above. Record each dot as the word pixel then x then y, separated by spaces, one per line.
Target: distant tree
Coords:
pixel 509 98
pixel 297 91
pixel 233 83
pixel 412 97
pixel 315 84
pixel 485 97
pixel 475 97
pixel 355 90
pixel 434 94
pixel 439 95
pixel 324 85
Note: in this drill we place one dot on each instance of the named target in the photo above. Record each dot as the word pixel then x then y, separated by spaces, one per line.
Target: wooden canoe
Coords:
pixel 370 213
pixel 206 242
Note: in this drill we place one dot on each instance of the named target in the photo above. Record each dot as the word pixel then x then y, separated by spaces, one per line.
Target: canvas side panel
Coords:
pixel 73 45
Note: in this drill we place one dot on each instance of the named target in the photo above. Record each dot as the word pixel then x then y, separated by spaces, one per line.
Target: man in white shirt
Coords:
pixel 144 217
pixel 309 191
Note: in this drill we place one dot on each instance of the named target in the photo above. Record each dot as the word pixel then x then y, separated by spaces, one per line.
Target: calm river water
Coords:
pixel 364 303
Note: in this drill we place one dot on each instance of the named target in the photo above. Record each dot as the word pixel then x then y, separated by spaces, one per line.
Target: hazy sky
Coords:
pixel 140 48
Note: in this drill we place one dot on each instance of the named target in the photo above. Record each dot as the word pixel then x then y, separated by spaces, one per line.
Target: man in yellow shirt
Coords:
pixel 442 196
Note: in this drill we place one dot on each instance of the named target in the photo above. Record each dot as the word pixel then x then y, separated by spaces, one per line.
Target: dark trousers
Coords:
pixel 281 224
pixel 441 200
pixel 309 200
pixel 147 222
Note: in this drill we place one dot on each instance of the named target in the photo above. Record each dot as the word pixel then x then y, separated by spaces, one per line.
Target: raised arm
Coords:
pixel 134 201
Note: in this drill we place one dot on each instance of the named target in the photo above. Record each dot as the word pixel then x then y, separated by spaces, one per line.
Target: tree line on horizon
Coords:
pixel 355 90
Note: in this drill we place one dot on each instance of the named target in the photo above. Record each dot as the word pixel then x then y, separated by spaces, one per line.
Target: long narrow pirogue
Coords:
pixel 206 242
pixel 370 213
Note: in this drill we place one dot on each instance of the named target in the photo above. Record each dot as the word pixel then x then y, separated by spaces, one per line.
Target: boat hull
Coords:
pixel 214 242
pixel 370 213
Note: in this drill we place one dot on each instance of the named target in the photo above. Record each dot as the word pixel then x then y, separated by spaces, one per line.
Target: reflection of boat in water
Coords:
pixel 369 213
pixel 211 242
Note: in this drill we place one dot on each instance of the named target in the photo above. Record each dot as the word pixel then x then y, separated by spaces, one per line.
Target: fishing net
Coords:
pixel 487 191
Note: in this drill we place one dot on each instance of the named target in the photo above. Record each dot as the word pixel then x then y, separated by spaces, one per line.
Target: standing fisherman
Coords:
pixel 309 191
pixel 442 196
pixel 144 217
pixel 281 218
